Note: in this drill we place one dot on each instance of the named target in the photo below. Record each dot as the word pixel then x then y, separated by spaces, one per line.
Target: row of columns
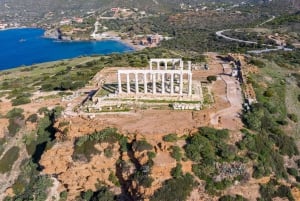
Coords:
pixel 166 61
pixel 153 79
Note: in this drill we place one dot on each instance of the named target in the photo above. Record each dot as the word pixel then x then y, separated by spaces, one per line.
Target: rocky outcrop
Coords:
pixel 53 33
pixel 79 176
pixel 130 167
pixel 58 159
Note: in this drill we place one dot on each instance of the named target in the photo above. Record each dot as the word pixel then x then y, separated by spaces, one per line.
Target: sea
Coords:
pixel 27 46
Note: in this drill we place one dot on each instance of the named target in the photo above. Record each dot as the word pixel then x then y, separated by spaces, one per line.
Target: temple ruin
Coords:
pixel 164 84
pixel 170 80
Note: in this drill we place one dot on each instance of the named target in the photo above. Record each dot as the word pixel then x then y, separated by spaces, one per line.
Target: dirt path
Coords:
pixel 53 193
pixel 229 117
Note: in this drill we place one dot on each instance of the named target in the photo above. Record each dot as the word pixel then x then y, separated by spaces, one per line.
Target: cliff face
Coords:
pixel 77 176
pixel 124 171
pixel 53 33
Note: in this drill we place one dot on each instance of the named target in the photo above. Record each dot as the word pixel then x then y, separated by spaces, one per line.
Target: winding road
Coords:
pixel 220 34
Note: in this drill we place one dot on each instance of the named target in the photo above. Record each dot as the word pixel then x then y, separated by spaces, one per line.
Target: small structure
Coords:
pixel 155 39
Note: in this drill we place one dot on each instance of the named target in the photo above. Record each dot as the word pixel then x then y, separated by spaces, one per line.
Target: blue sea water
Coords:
pixel 28 46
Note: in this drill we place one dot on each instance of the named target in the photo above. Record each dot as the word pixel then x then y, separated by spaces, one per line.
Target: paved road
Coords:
pixel 220 34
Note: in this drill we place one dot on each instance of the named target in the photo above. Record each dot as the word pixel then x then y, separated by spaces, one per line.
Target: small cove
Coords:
pixel 27 46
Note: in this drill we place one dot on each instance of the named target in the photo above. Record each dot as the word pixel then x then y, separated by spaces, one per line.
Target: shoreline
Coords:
pixel 126 45
pixel 108 36
pixel 129 43
pixel 23 27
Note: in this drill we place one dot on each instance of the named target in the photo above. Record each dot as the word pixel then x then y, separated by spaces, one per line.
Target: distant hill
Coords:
pixel 32 10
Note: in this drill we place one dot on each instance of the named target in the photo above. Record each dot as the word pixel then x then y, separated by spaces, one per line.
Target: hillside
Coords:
pixel 55 147
pixel 69 130
pixel 28 12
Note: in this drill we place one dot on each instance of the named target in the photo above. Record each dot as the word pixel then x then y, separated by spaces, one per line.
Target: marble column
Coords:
pixel 145 83
pixel 119 83
pixel 181 65
pixel 154 83
pixel 189 65
pixel 180 83
pixel 136 83
pixel 166 65
pixel 163 83
pixel 172 84
pixel 128 83
pixel 190 84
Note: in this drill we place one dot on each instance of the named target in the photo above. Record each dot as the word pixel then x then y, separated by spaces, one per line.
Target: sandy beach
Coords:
pixel 129 43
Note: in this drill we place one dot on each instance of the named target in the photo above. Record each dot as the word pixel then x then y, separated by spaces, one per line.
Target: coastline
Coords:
pixel 111 35
pixel 54 34
pixel 23 27
pixel 129 43
pixel 18 45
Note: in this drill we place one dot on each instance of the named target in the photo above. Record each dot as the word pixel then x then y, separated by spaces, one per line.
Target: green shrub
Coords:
pixel 299 98
pixel 108 135
pixel 47 87
pixel 177 171
pixel 32 118
pixel 20 101
pixel 8 159
pixel 43 110
pixel 143 179
pixel 15 113
pixel 13 127
pixel 103 194
pixel 257 63
pixel 84 146
pixel 141 145
pixel 273 189
pixel 174 189
pixel 86 196
pixel 292 171
pixel 151 155
pixel 211 78
pixel 112 177
pixel 285 192
pixel 108 152
pixel 63 123
pixel 293 117
pixel 282 122
pixel 63 196
pixel 200 149
pixel 269 92
pixel 267 191
pixel 176 153
pixel 15 120
pixel 85 151
pixel 123 144
pixel 268 159
pixel 211 186
pixel 170 138
pixel 232 198
pixel 253 118
pixel 18 187
pixel 57 111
